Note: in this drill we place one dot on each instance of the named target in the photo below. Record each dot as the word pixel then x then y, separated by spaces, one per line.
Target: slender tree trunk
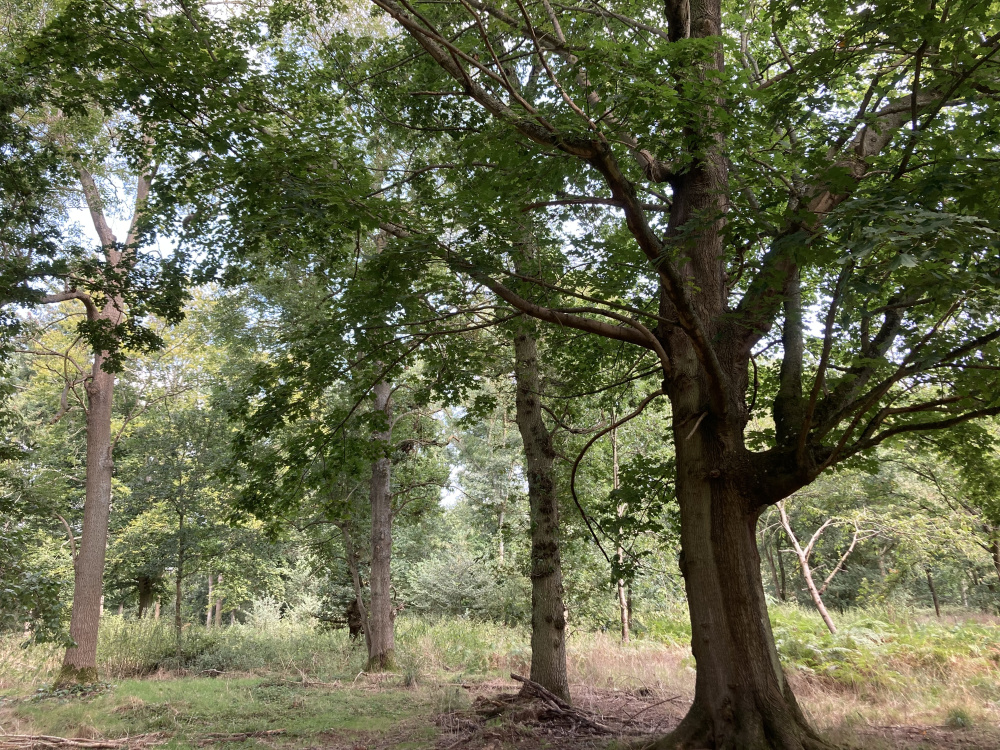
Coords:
pixel 622 598
pixel 381 653
pixel 178 579
pixel 934 596
pixel 964 589
pixel 156 610
pixel 995 553
pixel 359 595
pixel 145 587
pixel 218 602
pixel 548 618
pixel 500 535
pixel 80 662
pixel 121 608
pixel 784 577
pixel 803 555
pixel 208 613
pixel 768 548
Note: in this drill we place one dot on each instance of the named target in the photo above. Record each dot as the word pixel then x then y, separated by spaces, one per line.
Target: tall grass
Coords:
pixel 903 661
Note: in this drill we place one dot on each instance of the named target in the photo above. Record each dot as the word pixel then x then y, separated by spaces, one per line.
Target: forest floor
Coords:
pixel 886 682
pixel 374 712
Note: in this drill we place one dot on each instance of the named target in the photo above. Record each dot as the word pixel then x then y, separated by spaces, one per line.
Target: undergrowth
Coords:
pixel 889 658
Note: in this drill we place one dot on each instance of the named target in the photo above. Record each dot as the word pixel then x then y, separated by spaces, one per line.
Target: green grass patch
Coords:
pixel 190 708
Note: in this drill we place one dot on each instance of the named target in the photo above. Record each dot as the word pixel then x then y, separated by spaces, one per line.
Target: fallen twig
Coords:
pixel 236 736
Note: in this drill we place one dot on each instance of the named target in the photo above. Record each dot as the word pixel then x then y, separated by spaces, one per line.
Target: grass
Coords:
pixel 188 708
pixel 882 668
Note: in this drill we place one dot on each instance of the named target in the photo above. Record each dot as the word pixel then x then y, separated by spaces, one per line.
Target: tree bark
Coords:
pixel 548 619
pixel 350 553
pixel 622 598
pixel 934 596
pixel 145 586
pixel 209 608
pixel 178 579
pixel 80 662
pixel 742 699
pixel 382 644
pixel 218 602
pixel 995 553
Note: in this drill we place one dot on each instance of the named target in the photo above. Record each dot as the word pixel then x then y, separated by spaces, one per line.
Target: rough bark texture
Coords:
pixel 382 643
pixel 80 662
pixel 548 618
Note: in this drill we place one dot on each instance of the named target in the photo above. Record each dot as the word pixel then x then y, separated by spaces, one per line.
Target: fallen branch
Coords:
pixel 209 739
pixel 559 706
pixel 25 741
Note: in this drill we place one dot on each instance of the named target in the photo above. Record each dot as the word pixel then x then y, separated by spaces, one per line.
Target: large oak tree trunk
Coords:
pixel 548 615
pixel 80 662
pixel 382 643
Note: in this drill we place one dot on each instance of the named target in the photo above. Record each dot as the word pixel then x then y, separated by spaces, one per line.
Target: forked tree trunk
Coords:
pixel 548 618
pixel 382 643
pixel 80 662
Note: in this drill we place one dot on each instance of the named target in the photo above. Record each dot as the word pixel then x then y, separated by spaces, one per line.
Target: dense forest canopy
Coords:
pixel 548 314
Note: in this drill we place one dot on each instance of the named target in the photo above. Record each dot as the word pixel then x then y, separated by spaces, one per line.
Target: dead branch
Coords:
pixel 559 706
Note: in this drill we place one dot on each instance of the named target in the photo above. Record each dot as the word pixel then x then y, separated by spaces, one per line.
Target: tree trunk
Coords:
pixel 80 662
pixel 548 619
pixel 742 699
pixel 145 586
pixel 769 549
pixel 350 553
pixel 934 596
pixel 382 644
pixel 995 553
pixel 156 610
pixel 622 598
pixel 208 613
pixel 803 556
pixel 218 602
pixel 178 623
